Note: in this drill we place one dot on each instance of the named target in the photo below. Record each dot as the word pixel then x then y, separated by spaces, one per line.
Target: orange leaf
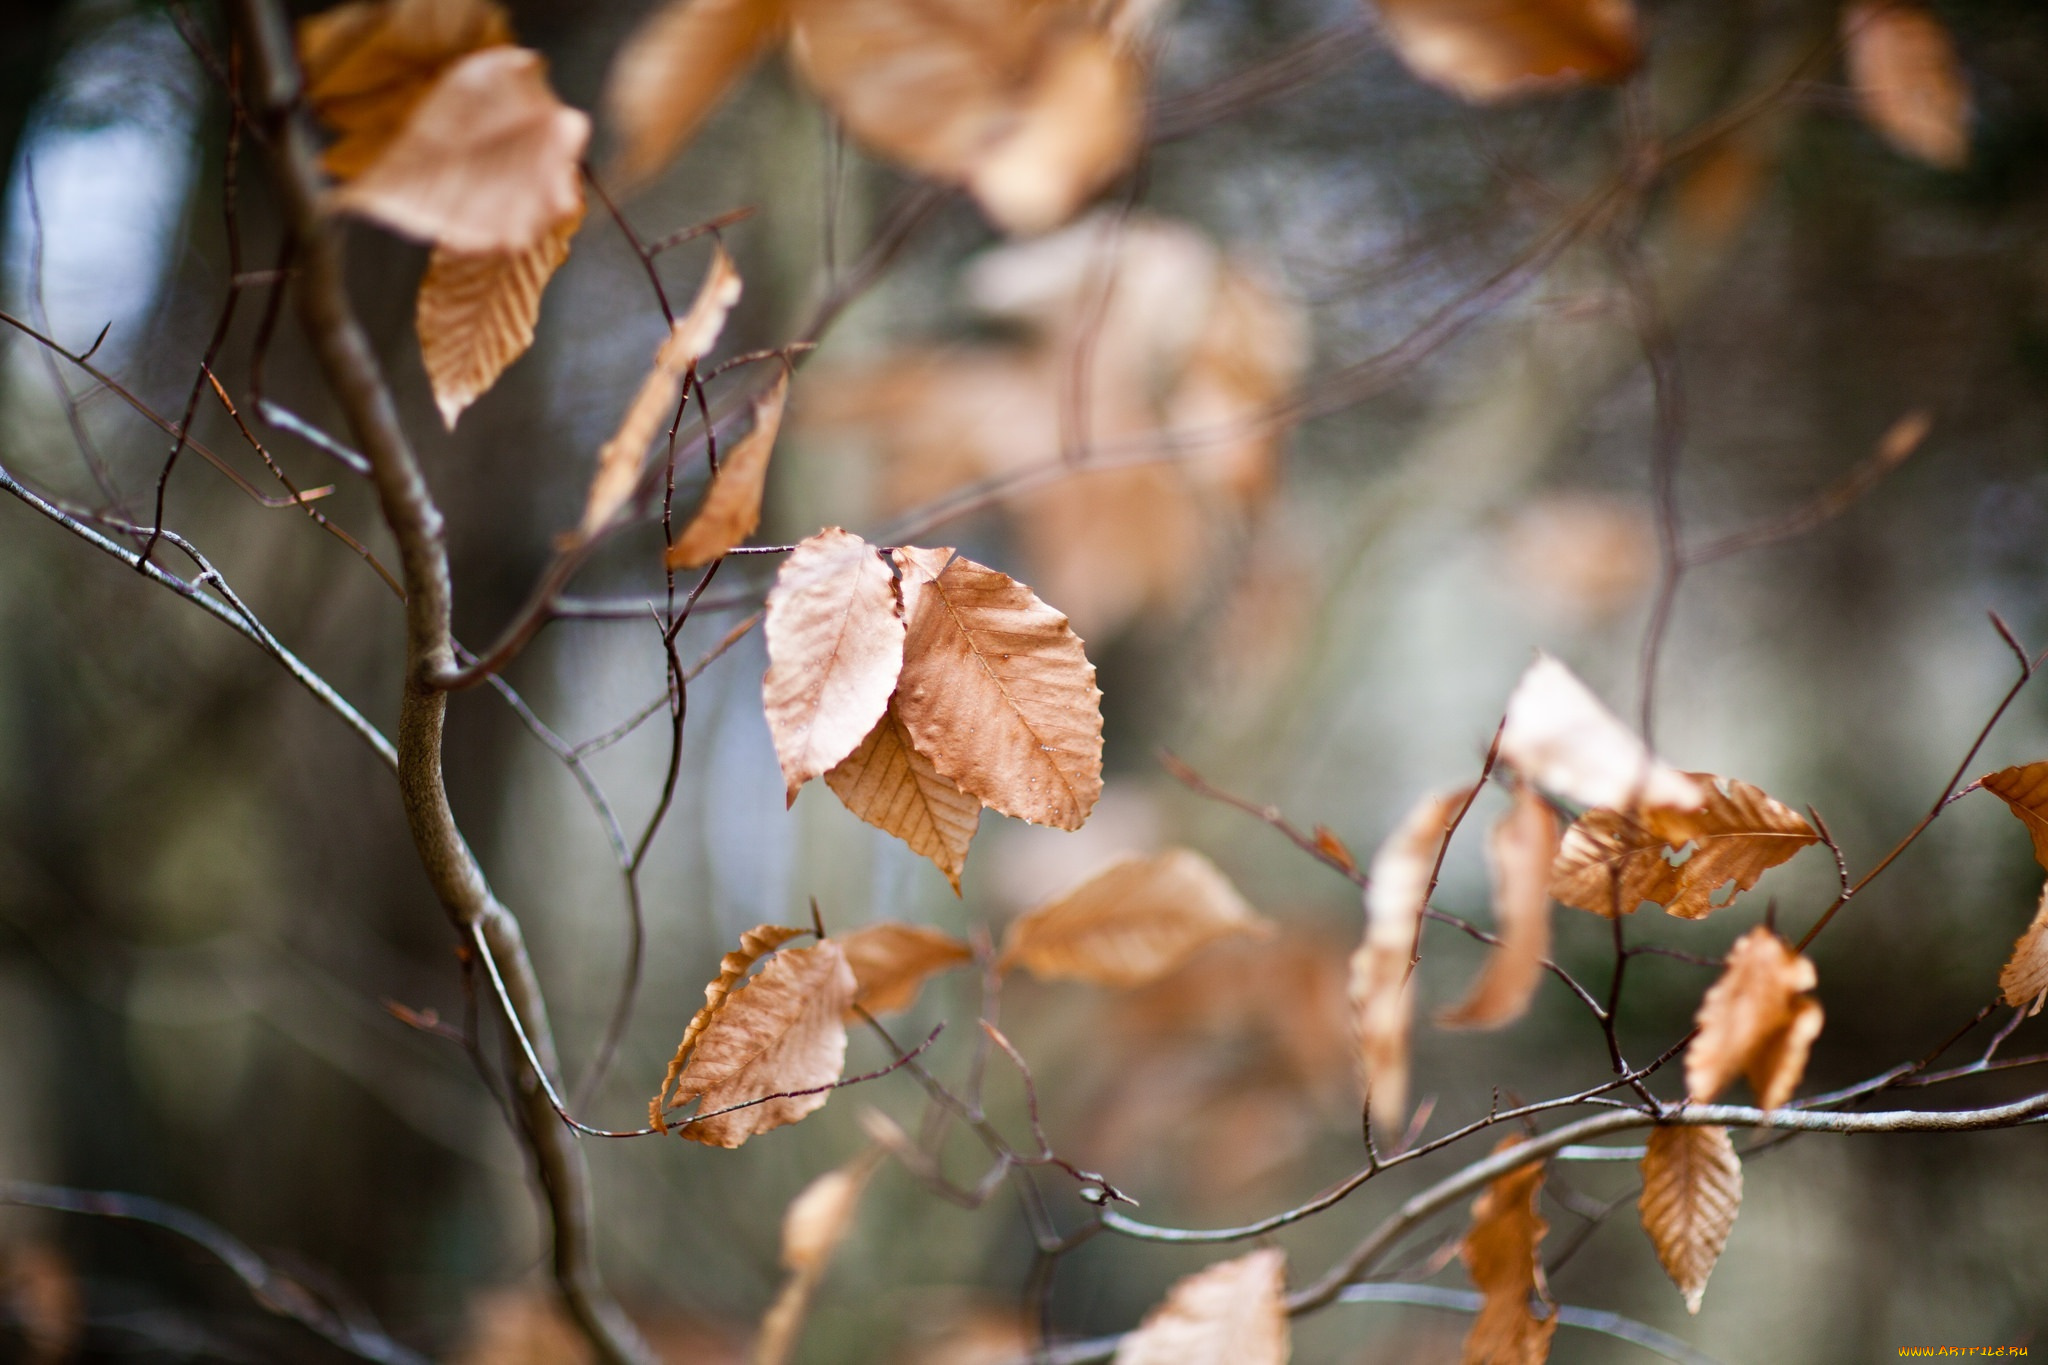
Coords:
pixel 997 691
pixel 1560 737
pixel 476 312
pixel 1485 50
pixel 1909 84
pixel 755 944
pixel 673 71
pixel 1382 993
pixel 1519 851
pixel 813 1226
pixel 1756 1022
pixel 1132 922
pixel 2024 790
pixel 369 63
pixel 1232 1313
pixel 780 1032
pixel 732 505
pixel 892 961
pixel 893 787
pixel 1609 860
pixel 487 161
pixel 835 646
pixel 1499 1253
pixel 1692 1189
pixel 2024 981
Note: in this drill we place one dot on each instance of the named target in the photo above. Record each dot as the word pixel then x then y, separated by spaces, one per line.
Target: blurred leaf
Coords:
pixel 1586 556
pixel 673 71
pixel 1499 1253
pixel 1486 50
pixel 1232 1313
pixel 1908 81
pixel 1559 736
pixel 891 962
pixel 476 312
pixel 2024 980
pixel 369 62
pixel 41 1299
pixel 893 787
pixel 835 646
pixel 1131 923
pixel 1519 851
pixel 732 504
pixel 2024 789
pixel 488 161
pixel 755 944
pixel 1692 1189
pixel 521 1327
pixel 997 691
pixel 813 1226
pixel 1755 1022
pixel 1382 991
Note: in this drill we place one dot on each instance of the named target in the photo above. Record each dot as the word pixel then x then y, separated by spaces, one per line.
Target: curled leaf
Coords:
pixel 755 944
pixel 1756 1021
pixel 1232 1313
pixel 476 312
pixel 2024 980
pixel 891 962
pixel 1499 1253
pixel 732 504
pixel 2024 789
pixel 893 787
pixel 1486 50
pixel 1130 923
pixel 1519 852
pixel 1908 81
pixel 1559 736
pixel 1692 1189
pixel 673 71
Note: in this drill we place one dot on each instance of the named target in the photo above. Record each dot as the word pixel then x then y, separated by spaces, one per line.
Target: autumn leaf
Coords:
pixel 2024 790
pixel 835 646
pixel 2024 980
pixel 997 691
pixel 891 962
pixel 755 944
pixel 1132 922
pixel 1246 359
pixel 367 64
pixel 1030 106
pixel 1692 1189
pixel 732 504
pixel 675 69
pixel 488 161
pixel 893 787
pixel 1499 1253
pixel 1486 50
pixel 813 1226
pixel 1610 859
pixel 1232 1313
pixel 690 339
pixel 1908 81
pixel 476 312
pixel 1519 852
pixel 1756 1021
pixel 780 1032
pixel 1382 991
pixel 1559 736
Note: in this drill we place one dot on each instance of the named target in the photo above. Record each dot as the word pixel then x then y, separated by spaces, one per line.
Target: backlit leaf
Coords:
pixel 732 504
pixel 1131 923
pixel 476 312
pixel 1232 1313
pixel 997 691
pixel 835 646
pixel 893 787
pixel 1610 860
pixel 1560 737
pixel 755 944
pixel 2024 790
pixel 2024 981
pixel 1756 1021
pixel 1909 84
pixel 1692 1189
pixel 1500 1254
pixel 488 161
pixel 1519 851
pixel 675 69
pixel 1486 50
pixel 891 962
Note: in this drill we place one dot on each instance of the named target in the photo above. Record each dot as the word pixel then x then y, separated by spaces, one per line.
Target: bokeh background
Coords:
pixel 206 888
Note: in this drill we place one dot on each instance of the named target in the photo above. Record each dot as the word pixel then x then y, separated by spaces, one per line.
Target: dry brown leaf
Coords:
pixel 1247 358
pixel 1519 851
pixel 1131 923
pixel 997 691
pixel 1610 859
pixel 1585 556
pixel 1025 102
pixel 1232 1313
pixel 1908 81
pixel 781 1032
pixel 476 312
pixel 1756 1021
pixel 368 63
pixel 835 646
pixel 1560 737
pixel 1500 1254
pixel 41 1300
pixel 1692 1188
pixel 813 1226
pixel 893 787
pixel 675 69
pixel 488 161
pixel 891 962
pixel 1485 50
pixel 519 1326
pixel 1111 544
pixel 2024 980
pixel 732 505
pixel 755 944
pixel 2024 789
pixel 1382 991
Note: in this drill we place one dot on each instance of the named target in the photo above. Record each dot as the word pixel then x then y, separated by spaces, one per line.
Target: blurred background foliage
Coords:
pixel 206 888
